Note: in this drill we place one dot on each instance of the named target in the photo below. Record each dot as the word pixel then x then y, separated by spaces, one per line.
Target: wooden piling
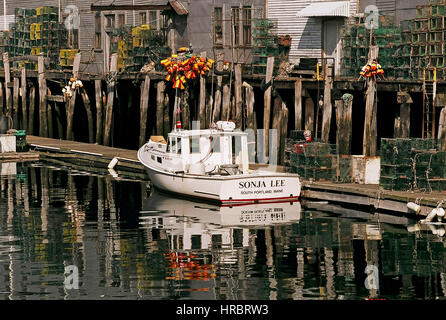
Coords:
pixel 99 112
pixel 70 105
pixel 217 100
pixel 267 102
pixel 404 100
pixel 202 99
pixel 7 81
pixel 442 130
pixel 226 103
pixel 32 104
pixel 15 99
pixel 276 122
pixel 2 105
pixel 43 108
pixel 166 123
pixel 87 106
pixel 160 88
pixel 344 124
pixel 250 114
pixel 283 131
pixel 185 109
pixel 209 103
pixel 145 87
pixel 298 104
pixel 327 111
pixel 238 95
pixel 59 120
pixel 24 100
pixel 110 100
pixel 49 113
pixel 309 114
pixel 370 125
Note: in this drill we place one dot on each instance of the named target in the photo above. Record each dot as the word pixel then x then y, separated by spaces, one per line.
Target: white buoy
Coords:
pixel 440 212
pixel 113 163
pixel 431 215
pixel 414 207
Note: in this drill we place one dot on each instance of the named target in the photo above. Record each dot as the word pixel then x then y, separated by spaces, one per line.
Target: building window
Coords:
pixel 152 19
pixel 218 26
pixel 109 21
pixel 235 26
pixel 247 25
pixel 121 19
pixel 97 31
pixel 142 18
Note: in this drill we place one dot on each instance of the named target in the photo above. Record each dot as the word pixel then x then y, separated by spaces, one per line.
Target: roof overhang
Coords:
pixel 326 9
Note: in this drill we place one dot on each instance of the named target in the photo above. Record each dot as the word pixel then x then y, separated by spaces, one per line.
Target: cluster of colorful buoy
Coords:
pixel 372 68
pixel 185 66
pixel 186 266
pixel 73 84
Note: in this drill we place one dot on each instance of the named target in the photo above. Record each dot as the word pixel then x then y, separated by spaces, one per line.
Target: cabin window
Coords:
pixel 121 19
pixel 159 160
pixel 153 20
pixel 179 145
pixel 247 25
pixel 109 21
pixel 194 144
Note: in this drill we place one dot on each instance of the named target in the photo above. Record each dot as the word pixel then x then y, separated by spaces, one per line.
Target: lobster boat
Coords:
pixel 213 165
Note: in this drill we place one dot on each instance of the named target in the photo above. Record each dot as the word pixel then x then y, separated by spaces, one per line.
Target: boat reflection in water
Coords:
pixel 189 222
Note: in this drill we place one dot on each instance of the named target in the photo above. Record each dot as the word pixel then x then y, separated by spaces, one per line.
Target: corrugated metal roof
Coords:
pixel 326 9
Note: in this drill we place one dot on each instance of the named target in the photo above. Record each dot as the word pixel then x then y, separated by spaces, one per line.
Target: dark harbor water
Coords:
pixel 128 244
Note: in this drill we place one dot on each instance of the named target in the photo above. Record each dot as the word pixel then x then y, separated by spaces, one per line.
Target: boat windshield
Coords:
pixel 174 145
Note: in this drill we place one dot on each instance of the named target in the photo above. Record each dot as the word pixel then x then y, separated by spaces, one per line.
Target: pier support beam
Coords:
pixel 43 108
pixel 370 125
pixel 202 99
pixel 32 104
pixel 99 112
pixel 344 124
pixel 238 95
pixel 298 105
pixel 24 100
pixel 217 102
pixel 145 87
pixel 226 103
pixel 110 101
pixel 250 113
pixel 7 81
pixel 87 106
pixel 326 114
pixel 402 122
pixel 160 88
pixel 72 100
pixel 15 99
pixel 267 101
pixel 185 109
pixel 309 114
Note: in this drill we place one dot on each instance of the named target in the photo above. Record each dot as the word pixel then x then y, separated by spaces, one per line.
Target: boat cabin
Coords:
pixel 203 152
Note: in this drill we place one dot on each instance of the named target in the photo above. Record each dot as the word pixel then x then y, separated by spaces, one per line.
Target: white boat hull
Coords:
pixel 248 188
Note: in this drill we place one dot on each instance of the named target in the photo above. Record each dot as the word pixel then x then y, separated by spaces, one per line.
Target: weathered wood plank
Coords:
pixel 202 99
pixel 7 69
pixel 344 124
pixel 87 106
pixel 185 109
pixel 145 87
pixel 250 116
pixel 43 108
pixel 110 101
pixel 49 111
pixel 442 130
pixel 370 124
pixel 160 88
pixel 283 131
pixel 51 98
pixel 309 114
pixel 327 111
pixel 24 100
pixel 238 95
pixel 226 103
pixel 70 105
pixel 217 103
pixel 298 105
pixel 15 99
pixel 267 102
pixel 99 111
pixel 166 124
pixel 32 104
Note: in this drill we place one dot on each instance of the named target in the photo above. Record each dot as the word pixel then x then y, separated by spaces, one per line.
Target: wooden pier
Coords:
pixel 96 158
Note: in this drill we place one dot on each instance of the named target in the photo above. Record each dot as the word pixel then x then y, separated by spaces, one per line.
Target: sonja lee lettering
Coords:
pixel 261 184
